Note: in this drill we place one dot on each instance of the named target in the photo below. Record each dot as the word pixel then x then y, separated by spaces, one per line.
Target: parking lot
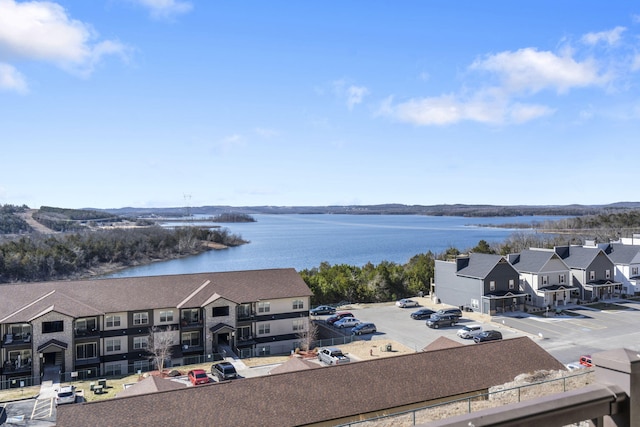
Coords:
pixel 31 412
pixel 566 337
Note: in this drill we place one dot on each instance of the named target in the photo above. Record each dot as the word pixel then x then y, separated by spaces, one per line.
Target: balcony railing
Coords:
pixel 11 339
pixel 86 333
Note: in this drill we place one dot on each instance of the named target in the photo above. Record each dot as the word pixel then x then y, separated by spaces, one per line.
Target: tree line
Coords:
pixel 72 255
pixel 10 222
pixel 389 281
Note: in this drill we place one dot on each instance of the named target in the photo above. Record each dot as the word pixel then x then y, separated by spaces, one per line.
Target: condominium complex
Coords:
pixel 103 327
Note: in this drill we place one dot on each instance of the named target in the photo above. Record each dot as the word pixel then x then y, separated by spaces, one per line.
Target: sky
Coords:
pixel 159 103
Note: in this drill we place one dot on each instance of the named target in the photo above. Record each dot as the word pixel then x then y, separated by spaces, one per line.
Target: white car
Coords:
pixel 406 302
pixel 347 322
pixel 66 395
pixel 469 331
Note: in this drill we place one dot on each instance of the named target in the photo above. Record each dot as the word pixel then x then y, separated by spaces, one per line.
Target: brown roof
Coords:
pixel 440 343
pixel 315 395
pixel 21 302
pixel 294 364
pixel 151 384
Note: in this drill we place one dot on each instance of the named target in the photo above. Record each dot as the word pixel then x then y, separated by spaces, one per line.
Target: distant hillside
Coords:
pixel 388 209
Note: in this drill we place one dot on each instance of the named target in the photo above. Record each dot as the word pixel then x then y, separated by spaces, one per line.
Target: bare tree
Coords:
pixel 160 346
pixel 308 335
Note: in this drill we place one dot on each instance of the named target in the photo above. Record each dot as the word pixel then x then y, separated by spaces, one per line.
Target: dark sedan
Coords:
pixel 487 336
pixel 423 313
pixel 322 309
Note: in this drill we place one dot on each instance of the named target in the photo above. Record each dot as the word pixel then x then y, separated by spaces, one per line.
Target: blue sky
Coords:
pixel 153 103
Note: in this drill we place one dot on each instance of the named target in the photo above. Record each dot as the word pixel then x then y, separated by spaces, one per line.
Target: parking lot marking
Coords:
pixel 587 324
pixel 42 408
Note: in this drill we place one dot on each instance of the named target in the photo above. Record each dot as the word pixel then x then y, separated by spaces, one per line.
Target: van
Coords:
pixel 469 331
pixel 438 320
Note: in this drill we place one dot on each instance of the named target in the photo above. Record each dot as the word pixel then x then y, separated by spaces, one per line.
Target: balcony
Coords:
pixel 12 367
pixel 16 339
pixel 191 323
pixel 86 333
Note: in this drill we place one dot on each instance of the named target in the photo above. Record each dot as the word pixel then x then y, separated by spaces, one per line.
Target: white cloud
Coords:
pixel 352 94
pixel 11 79
pixel 42 31
pixel 529 70
pixel 266 133
pixel 609 37
pixel 166 8
pixel 355 94
pixel 486 106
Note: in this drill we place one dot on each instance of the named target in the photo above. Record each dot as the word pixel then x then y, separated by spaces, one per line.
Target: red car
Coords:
pixel 198 376
pixel 333 319
pixel 586 361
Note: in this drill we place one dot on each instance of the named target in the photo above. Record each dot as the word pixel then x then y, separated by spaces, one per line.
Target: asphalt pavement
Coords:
pixel 579 330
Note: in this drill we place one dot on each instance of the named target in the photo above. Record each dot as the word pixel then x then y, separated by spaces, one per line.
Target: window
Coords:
pixel 141 365
pixel 190 316
pixel 298 304
pixel 113 344
pixel 475 303
pixel 20 331
pixel 265 351
pixel 86 324
pixel 113 321
pixel 634 270
pixel 140 318
pixel 561 278
pixel 112 370
pixel 20 358
pixel 220 311
pixel 243 333
pixel 50 327
pixel 607 274
pixel 191 339
pixel 86 351
pixel 492 285
pixel 264 328
pixel 140 343
pixel 264 307
pixel 545 280
pixel 592 275
pixel 166 316
pixel 512 284
pixel 299 324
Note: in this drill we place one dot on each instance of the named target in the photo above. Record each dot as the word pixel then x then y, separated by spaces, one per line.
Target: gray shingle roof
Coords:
pixel 480 265
pixel 623 254
pixel 580 257
pixel 533 261
pixel 81 298
pixel 329 393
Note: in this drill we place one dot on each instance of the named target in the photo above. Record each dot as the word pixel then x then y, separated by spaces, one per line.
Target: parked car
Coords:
pixel 423 313
pixel 487 336
pixel 364 328
pixel 332 356
pixel 224 371
pixel 406 302
pixel 586 361
pixel 66 394
pixel 347 322
pixel 333 319
pixel 198 376
pixel 437 320
pixel 469 331
pixel 322 309
pixel 451 311
pixel 574 366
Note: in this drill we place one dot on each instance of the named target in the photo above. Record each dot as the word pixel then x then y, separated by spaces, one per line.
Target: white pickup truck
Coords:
pixel 332 356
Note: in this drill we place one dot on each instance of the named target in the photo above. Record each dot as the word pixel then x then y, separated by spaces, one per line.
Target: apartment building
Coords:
pixel 104 326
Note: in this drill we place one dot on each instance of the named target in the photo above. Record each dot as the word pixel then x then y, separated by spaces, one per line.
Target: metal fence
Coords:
pixel 467 405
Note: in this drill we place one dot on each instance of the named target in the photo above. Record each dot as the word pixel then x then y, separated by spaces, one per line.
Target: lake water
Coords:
pixel 304 241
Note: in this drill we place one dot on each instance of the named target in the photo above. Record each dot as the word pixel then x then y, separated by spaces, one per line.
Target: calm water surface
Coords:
pixel 304 241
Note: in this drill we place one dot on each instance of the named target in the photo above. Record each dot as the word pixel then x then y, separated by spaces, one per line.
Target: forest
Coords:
pixel 44 257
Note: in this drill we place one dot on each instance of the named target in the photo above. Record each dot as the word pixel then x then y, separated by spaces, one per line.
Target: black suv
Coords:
pixel 487 336
pixel 438 320
pixel 224 371
pixel 450 311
